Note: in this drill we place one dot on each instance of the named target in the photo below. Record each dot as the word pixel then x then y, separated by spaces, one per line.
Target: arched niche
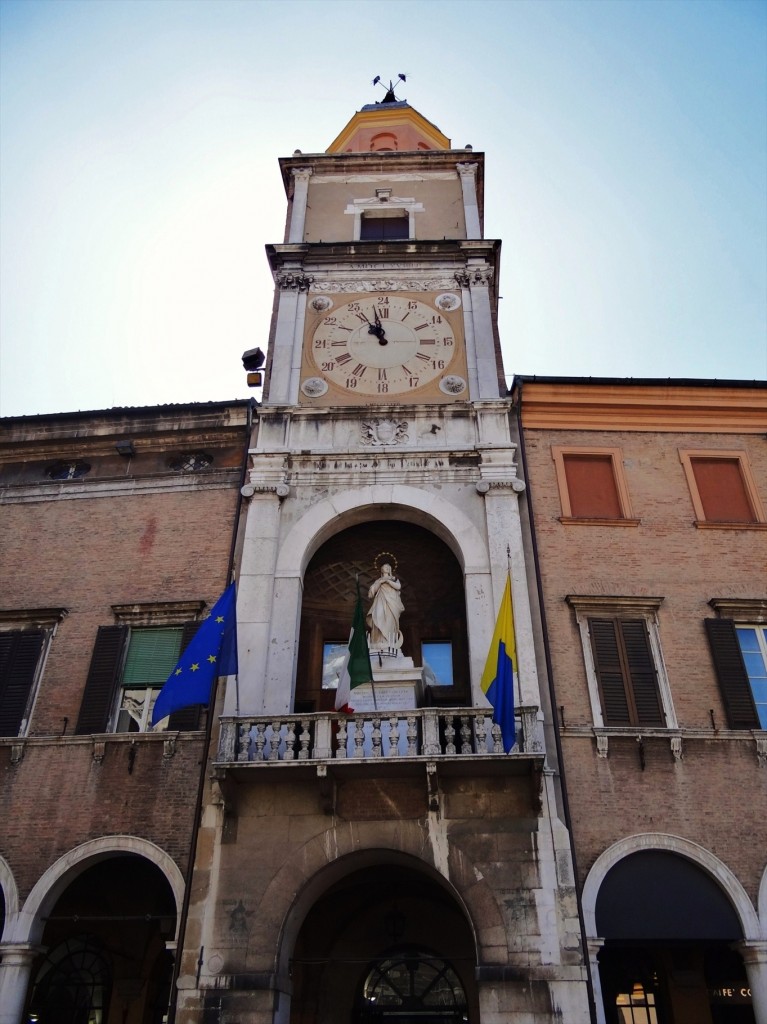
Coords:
pixel 377 911
pixel 433 623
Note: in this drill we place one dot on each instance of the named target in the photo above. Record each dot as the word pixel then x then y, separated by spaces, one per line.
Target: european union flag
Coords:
pixel 498 678
pixel 211 652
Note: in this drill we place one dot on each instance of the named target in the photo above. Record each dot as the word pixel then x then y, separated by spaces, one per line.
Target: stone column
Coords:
pixel 754 955
pixel 594 946
pixel 475 281
pixel 255 590
pixel 468 175
pixel 301 177
pixel 15 971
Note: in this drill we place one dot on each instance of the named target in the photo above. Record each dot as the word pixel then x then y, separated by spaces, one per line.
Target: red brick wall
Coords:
pixel 716 795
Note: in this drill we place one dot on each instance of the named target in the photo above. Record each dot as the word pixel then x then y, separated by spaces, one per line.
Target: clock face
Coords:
pixel 381 345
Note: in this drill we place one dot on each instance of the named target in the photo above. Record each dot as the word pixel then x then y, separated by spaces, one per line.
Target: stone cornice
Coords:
pixel 632 406
pixel 450 252
pixel 381 164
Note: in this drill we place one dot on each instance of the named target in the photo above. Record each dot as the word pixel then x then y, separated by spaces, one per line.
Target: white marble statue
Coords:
pixel 385 610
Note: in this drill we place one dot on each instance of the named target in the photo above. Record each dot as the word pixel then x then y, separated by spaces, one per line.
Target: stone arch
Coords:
pixel 10 895
pixel 29 922
pixel 663 842
pixel 347 508
pixel 324 860
pixel 762 903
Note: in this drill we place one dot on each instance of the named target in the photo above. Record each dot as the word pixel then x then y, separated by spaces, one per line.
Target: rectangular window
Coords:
pixel 722 488
pixel 625 671
pixel 753 647
pixel 592 485
pixel 437 660
pixel 382 229
pixel 623 661
pixel 129 667
pixel 334 654
pixel 151 657
pixel 739 653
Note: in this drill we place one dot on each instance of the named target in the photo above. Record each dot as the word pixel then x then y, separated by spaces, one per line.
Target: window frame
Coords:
pixel 688 455
pixel 46 622
pixel 559 454
pixel 626 608
pixel 104 685
pixel 384 204
pixel 743 613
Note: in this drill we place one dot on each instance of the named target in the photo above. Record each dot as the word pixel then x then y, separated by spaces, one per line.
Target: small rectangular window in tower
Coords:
pixel 721 487
pixel 376 227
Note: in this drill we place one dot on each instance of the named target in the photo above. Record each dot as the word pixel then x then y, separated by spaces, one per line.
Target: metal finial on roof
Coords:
pixel 389 97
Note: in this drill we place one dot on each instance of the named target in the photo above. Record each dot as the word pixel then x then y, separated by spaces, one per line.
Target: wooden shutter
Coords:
pixel 731 672
pixel 628 681
pixel 103 680
pixel 186 719
pixel 610 674
pixel 642 674
pixel 19 655
pixel 591 487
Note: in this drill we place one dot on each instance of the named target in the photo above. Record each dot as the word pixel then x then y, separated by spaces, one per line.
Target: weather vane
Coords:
pixel 389 97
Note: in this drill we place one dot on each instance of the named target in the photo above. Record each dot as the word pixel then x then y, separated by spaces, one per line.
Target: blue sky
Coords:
pixel 626 173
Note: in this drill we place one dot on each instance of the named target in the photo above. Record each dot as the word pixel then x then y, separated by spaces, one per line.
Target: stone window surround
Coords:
pixel 384 201
pixel 560 452
pixel 686 457
pixel 645 608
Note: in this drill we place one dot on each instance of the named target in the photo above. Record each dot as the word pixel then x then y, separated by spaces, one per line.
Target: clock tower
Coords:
pixel 393 861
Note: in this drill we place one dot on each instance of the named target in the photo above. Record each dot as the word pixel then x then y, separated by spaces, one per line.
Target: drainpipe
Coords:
pixel 518 384
pixel 204 763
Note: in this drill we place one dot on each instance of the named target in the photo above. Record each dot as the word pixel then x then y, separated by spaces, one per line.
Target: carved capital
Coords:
pixel 301 174
pixel 293 282
pixel 474 277
pixel 467 170
pixel 249 490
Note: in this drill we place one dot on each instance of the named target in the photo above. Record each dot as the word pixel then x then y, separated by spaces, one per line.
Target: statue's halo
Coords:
pixel 381 558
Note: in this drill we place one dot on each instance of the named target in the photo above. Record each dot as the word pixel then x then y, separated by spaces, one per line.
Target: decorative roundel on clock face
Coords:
pixel 383 345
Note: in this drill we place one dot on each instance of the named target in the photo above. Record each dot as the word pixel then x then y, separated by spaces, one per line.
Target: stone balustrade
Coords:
pixel 423 733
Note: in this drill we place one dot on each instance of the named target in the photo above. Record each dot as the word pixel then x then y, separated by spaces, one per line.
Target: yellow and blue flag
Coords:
pixel 501 666
pixel 211 652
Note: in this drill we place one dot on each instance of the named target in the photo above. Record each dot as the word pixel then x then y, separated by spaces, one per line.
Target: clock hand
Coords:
pixel 377 329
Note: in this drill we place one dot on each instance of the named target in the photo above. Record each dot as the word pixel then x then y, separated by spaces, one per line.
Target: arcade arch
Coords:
pixel 664 918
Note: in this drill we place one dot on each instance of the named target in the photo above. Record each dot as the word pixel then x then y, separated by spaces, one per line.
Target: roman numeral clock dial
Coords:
pixel 382 347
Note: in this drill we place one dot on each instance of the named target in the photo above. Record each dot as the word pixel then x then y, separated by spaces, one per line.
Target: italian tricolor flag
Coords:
pixel 356 669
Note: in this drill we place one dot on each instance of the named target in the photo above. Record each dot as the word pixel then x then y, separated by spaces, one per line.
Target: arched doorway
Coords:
pixel 105 939
pixel 433 623
pixel 668 958
pixel 386 943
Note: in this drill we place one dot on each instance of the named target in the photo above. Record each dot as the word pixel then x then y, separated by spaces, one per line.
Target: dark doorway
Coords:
pixel 385 944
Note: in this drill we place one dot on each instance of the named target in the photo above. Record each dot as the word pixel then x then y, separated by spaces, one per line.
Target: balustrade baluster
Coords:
pixel 495 732
pixel 449 735
pixel 480 728
pixel 393 750
pixel 259 742
pixel 290 742
pixel 375 738
pixel 412 736
pixel 465 735
pixel 342 733
pixel 359 738
pixel 304 738
pixel 274 743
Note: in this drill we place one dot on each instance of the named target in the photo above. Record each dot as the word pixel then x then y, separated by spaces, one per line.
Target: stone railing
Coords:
pixel 425 733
